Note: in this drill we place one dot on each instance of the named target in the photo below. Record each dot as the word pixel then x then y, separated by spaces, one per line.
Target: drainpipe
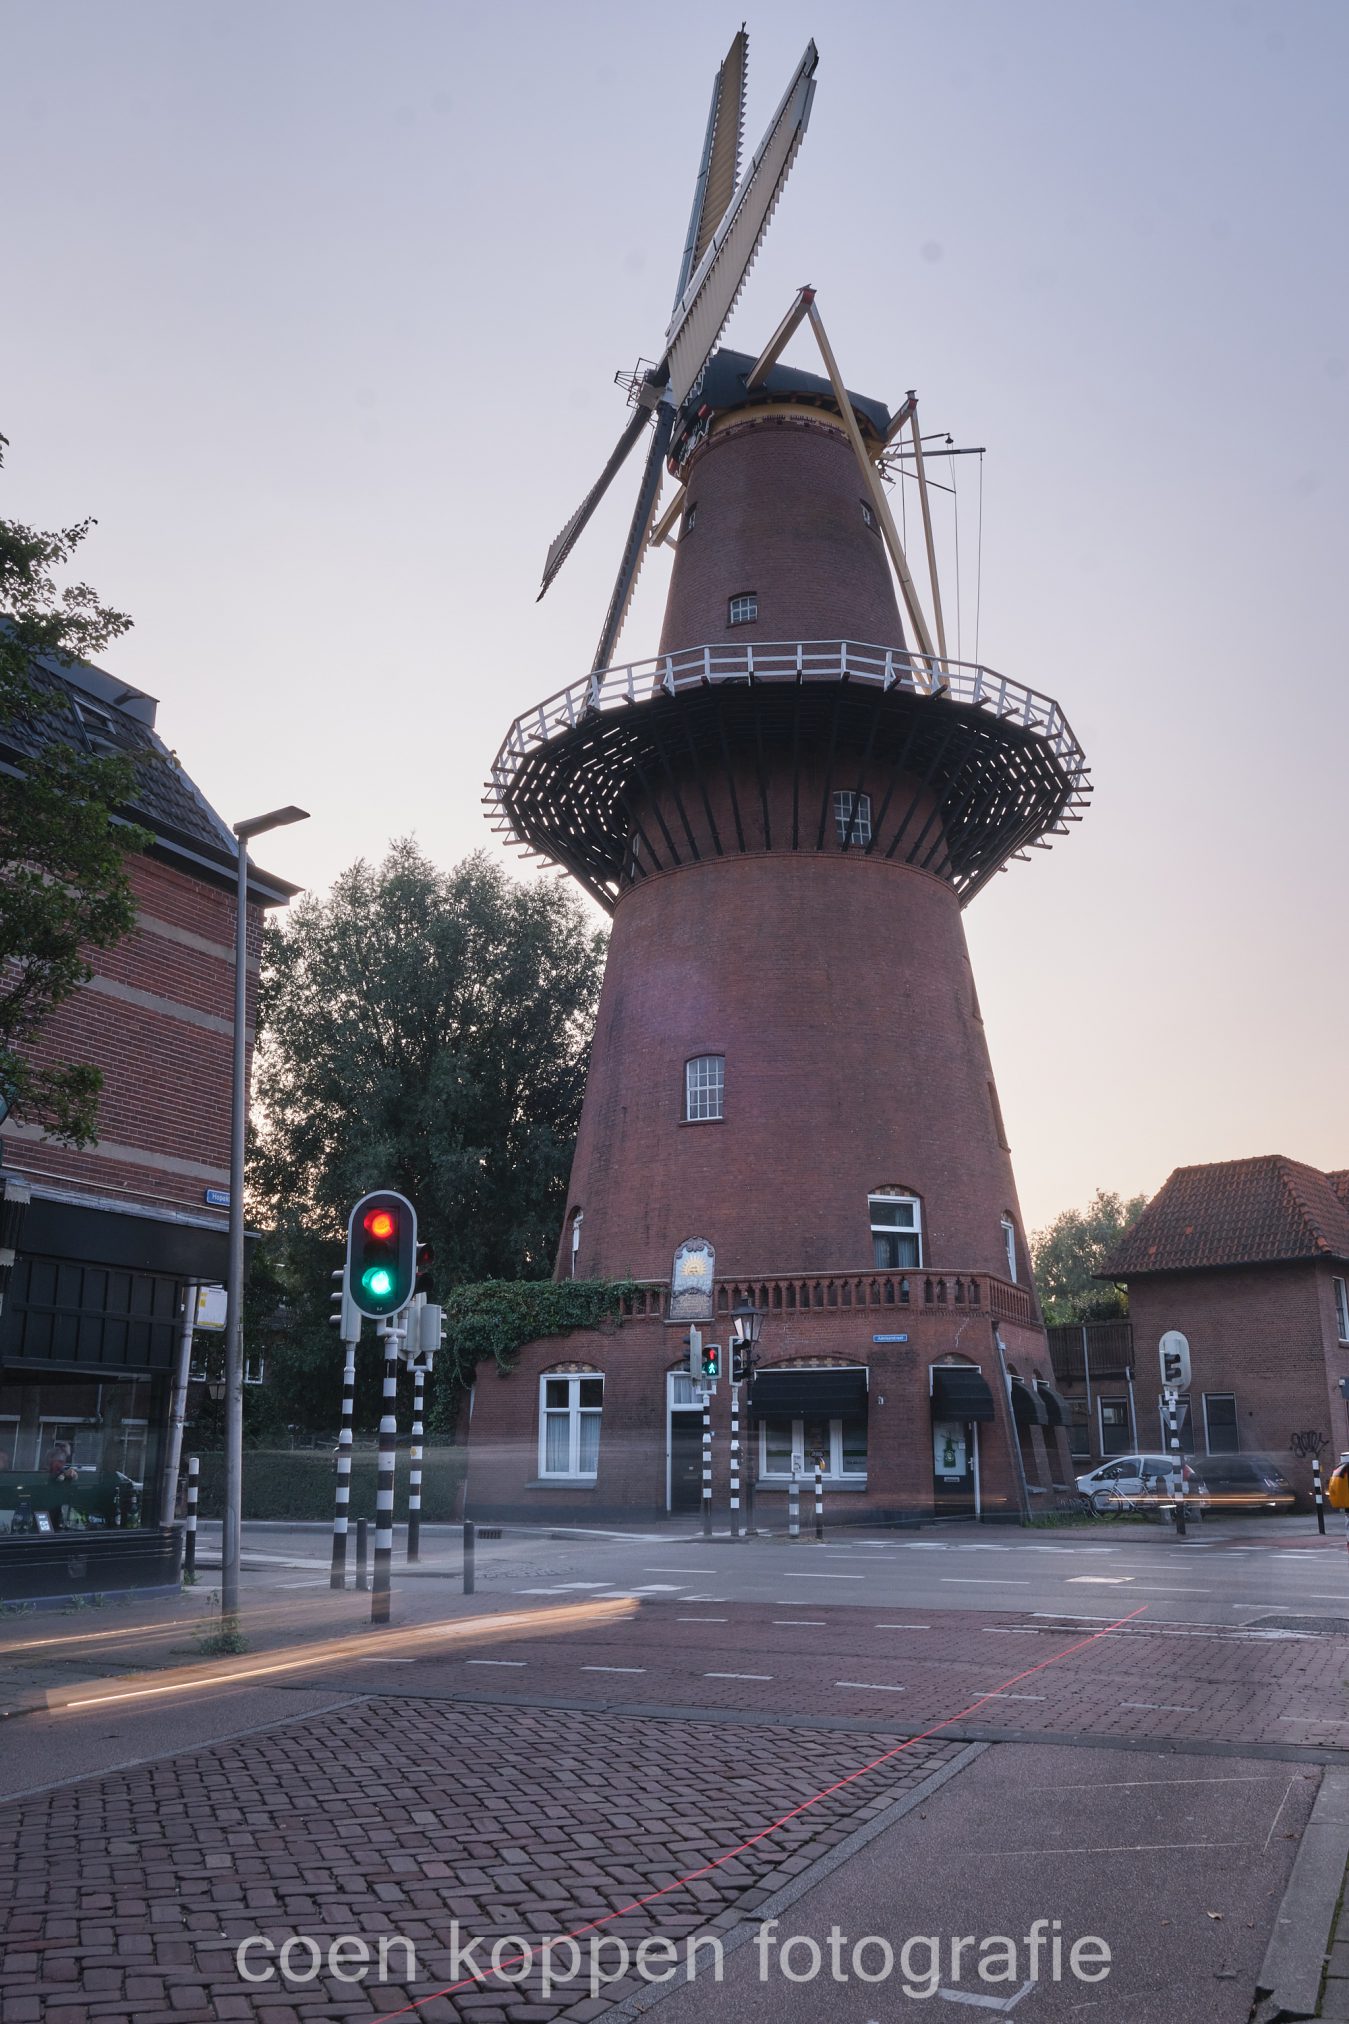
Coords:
pixel 1011 1422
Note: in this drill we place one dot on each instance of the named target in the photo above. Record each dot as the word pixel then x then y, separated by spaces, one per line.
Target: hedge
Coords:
pixel 299 1483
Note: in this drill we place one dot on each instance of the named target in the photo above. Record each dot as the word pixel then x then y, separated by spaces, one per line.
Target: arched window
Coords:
pixel 896 1229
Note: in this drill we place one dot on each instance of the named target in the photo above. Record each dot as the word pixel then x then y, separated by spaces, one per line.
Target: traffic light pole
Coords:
pixel 341 1516
pixel 388 1435
pixel 735 1461
pixel 415 1465
pixel 707 1465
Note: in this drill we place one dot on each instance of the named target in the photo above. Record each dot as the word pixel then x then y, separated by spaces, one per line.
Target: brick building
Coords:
pixel 790 1100
pixel 1249 1259
pixel 113 1234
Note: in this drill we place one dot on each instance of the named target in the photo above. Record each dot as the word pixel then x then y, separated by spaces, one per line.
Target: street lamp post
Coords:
pixel 748 1321
pixel 234 1319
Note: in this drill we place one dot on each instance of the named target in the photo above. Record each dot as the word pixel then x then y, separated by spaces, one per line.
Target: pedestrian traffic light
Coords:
pixel 426 1258
pixel 381 1254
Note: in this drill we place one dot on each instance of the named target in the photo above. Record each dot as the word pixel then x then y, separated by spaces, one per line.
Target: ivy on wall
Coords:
pixel 496 1317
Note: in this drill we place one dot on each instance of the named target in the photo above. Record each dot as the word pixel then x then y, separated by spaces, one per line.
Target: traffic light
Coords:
pixel 739 1362
pixel 346 1316
pixel 381 1254
pixel 426 1258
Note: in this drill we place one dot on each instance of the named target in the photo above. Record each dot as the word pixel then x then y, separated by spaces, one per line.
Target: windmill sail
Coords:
pixel 712 292
pixel 566 540
pixel 719 169
pixel 634 549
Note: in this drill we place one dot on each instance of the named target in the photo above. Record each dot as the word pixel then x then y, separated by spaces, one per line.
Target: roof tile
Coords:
pixel 1237 1212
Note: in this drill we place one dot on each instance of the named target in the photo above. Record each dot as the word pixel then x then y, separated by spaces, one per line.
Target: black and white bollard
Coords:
pixel 415 1466
pixel 190 1543
pixel 819 1496
pixel 735 1461
pixel 341 1514
pixel 1317 1494
pixel 707 1465
pixel 794 1506
pixel 470 1544
pixel 388 1441
pixel 362 1536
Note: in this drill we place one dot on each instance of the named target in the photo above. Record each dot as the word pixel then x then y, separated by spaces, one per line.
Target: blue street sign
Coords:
pixel 217 1198
pixel 889 1338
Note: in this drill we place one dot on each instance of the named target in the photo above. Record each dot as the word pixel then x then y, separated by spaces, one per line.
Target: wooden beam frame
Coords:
pixel 661 531
pixel 921 469
pixel 876 492
pixel 780 339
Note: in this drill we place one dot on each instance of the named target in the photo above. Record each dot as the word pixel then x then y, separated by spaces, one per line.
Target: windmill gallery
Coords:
pixel 790 1102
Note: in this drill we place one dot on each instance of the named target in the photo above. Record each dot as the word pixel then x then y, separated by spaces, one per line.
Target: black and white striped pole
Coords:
pixel 1177 1463
pixel 346 1319
pixel 1316 1493
pixel 1174 1354
pixel 415 1464
pixel 388 1440
pixel 735 1461
pixel 707 1464
pixel 794 1502
pixel 342 1512
pixel 819 1496
pixel 190 1544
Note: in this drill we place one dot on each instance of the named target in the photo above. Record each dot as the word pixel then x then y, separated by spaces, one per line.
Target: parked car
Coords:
pixel 1245 1483
pixel 1138 1479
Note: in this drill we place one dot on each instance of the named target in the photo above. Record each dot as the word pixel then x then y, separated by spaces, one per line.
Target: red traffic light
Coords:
pixel 380 1223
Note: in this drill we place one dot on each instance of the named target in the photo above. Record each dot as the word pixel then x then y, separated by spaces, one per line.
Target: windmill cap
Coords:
pixel 722 387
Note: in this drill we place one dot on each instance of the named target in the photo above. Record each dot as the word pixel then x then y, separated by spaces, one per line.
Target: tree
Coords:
pixel 63 882
pixel 1074 1247
pixel 426 1031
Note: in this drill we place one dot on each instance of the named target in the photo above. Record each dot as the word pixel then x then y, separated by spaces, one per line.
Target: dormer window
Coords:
pixel 743 608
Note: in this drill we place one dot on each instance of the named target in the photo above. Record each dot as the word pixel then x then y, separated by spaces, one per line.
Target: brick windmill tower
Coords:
pixel 790 1102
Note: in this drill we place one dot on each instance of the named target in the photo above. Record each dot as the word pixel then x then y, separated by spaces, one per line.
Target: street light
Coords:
pixel 748 1321
pixel 230 1537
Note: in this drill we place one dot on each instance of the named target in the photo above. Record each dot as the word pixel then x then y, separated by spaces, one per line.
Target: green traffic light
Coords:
pixel 378 1282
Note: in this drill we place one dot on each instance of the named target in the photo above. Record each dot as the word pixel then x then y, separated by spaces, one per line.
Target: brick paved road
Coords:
pixel 131 1892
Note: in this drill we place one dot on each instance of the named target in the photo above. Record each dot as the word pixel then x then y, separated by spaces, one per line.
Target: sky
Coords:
pixel 317 306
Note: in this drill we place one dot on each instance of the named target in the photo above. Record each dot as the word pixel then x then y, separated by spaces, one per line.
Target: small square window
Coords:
pixel 704 1088
pixel 852 818
pixel 743 608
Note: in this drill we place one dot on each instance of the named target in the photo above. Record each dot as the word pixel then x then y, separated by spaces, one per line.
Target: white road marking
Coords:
pixel 384 1662
pixel 1154 1590
pixel 613 1669
pixel 1003 2003
pixel 495 1662
pixel 1161 1707
pixel 1101 1580
pixel 702 1619
pixel 1279 1815
pixel 979 1581
pixel 824 1577
pixel 871 1686
pixel 901 1626
pixel 674 1570
pixel 1002 1629
pixel 737 1676
pixel 704 1598
pixel 801 1622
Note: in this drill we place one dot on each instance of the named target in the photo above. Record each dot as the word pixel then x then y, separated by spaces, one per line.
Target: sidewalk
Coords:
pixel 1305 1973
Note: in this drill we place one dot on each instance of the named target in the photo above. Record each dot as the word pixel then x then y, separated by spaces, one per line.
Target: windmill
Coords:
pixel 727 223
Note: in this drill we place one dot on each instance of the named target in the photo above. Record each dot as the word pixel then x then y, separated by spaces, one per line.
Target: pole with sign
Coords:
pixel 1173 1353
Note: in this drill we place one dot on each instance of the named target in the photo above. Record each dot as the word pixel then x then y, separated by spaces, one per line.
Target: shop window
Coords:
pixel 704 1088
pixel 896 1231
pixel 1079 1430
pixel 570 1409
pixel 1222 1436
pixel 1114 1426
pixel 1341 1309
pixel 86 1453
pixel 743 609
pixel 788 1447
pixel 1009 1246
pixel 852 818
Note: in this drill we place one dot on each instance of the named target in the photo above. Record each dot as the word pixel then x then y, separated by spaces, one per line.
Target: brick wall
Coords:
pixel 157 1019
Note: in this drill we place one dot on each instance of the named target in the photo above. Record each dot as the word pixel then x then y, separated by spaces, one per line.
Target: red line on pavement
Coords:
pixel 593 1925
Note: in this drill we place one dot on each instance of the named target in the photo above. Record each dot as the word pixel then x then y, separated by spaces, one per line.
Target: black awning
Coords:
pixel 1055 1407
pixel 795 1393
pixel 1028 1410
pixel 960 1392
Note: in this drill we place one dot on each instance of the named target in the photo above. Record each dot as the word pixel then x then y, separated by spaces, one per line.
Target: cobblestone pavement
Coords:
pixel 130 1893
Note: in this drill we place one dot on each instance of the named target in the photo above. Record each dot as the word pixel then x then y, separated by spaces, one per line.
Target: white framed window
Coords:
pixel 788 1448
pixel 704 1088
pixel 852 817
pixel 571 1405
pixel 1222 1435
pixel 1341 1309
pixel 1009 1246
pixel 743 608
pixel 896 1232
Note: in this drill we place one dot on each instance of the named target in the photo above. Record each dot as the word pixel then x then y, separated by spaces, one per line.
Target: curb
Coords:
pixel 1290 1976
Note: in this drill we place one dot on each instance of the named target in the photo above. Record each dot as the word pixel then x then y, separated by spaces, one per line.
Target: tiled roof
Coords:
pixel 1237 1212
pixel 93 711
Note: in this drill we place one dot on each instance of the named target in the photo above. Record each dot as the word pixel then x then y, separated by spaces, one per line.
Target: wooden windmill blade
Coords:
pixel 719 169
pixel 712 291
pixel 566 540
